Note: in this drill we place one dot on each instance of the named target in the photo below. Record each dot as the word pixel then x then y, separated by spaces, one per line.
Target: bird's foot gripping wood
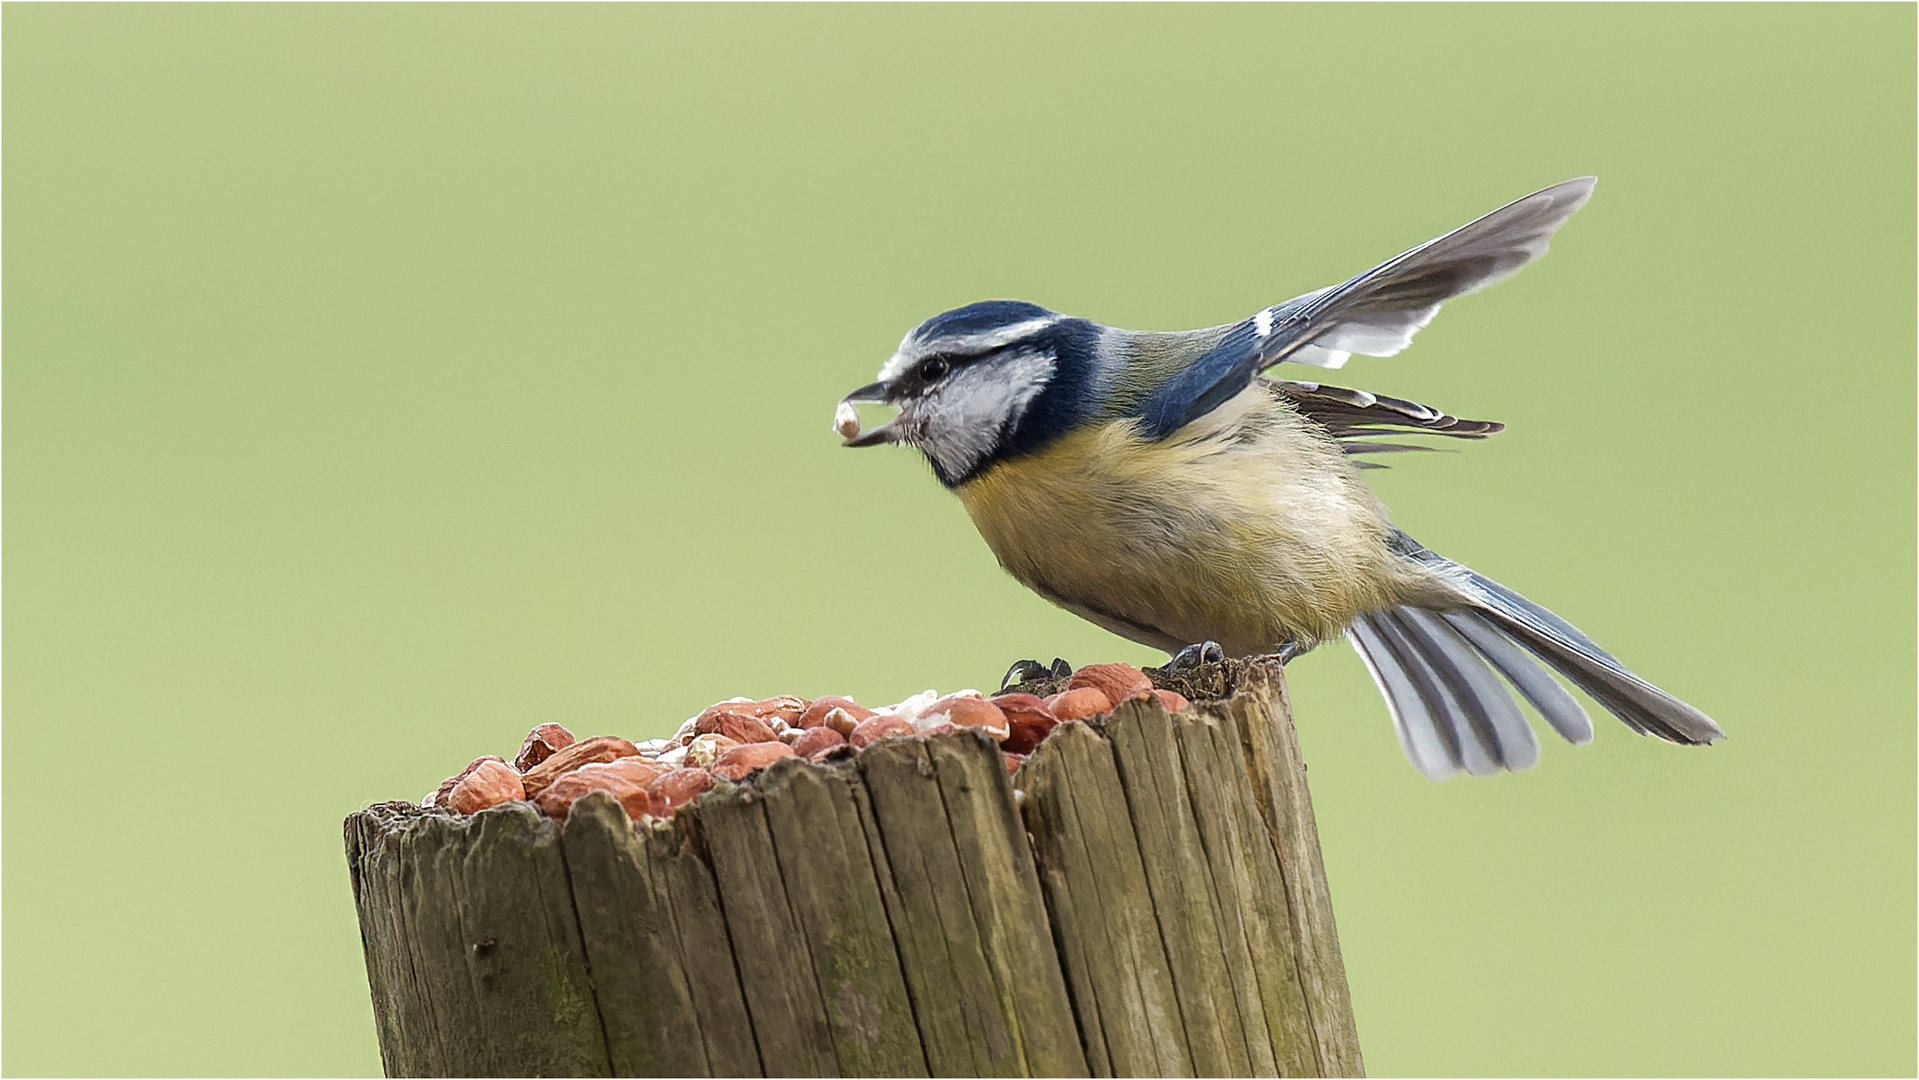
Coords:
pixel 1025 673
pixel 1203 672
pixel 1213 680
pixel 1192 656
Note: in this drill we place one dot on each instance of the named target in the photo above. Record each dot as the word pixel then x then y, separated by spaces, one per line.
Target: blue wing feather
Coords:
pixel 1209 381
pixel 1375 313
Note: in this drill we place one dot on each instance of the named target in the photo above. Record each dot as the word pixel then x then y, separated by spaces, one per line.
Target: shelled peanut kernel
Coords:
pixel 728 742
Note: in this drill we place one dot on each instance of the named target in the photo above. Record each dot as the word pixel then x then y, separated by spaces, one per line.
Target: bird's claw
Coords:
pixel 1024 671
pixel 1193 656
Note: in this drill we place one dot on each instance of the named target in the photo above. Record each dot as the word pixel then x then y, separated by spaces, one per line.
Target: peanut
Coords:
pixel 740 761
pixel 1027 719
pixel 591 751
pixel 706 749
pixel 816 713
pixel 451 782
pixel 489 784
pixel 816 740
pixel 1117 681
pixel 626 779
pixel 742 728
pixel 1081 704
pixel 675 789
pixel 542 743
pixel 875 728
pixel 963 711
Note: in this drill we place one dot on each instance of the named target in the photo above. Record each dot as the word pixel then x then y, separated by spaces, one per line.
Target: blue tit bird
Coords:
pixel 1161 486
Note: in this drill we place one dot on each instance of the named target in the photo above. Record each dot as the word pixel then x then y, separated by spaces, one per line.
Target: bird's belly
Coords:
pixel 1250 542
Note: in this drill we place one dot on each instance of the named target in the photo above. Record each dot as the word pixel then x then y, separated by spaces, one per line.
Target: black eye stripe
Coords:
pixel 934 366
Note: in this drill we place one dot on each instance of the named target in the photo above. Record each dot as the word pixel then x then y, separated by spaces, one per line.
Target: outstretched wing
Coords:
pixel 1376 313
pixel 1357 417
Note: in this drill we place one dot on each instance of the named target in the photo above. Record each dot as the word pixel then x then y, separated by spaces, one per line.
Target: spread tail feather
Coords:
pixel 1448 708
pixel 1435 669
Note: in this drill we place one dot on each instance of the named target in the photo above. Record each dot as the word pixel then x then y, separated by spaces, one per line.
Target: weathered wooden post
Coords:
pixel 1144 897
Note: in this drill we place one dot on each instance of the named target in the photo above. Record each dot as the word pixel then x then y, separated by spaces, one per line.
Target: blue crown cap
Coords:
pixel 979 318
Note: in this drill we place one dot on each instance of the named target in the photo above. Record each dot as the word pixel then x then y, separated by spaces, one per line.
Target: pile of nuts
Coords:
pixel 733 739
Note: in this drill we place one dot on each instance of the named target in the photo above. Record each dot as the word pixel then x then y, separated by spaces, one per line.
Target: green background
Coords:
pixel 381 381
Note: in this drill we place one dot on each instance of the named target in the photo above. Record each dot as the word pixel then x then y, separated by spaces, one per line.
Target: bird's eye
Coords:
pixel 934 368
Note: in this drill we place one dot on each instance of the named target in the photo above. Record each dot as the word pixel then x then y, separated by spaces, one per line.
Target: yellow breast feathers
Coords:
pixel 1248 527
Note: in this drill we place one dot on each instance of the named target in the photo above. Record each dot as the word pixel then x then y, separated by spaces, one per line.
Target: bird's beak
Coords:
pixel 846 419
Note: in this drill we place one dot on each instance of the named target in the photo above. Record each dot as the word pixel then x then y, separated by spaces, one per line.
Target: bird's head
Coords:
pixel 976 384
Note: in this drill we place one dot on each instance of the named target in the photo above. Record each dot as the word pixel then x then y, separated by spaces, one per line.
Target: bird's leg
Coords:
pixel 1025 671
pixel 1192 656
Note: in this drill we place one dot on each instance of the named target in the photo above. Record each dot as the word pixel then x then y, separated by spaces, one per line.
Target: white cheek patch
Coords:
pixel 963 420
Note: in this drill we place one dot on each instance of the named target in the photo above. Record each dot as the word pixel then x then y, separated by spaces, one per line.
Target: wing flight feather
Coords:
pixel 1375 314
pixel 1355 417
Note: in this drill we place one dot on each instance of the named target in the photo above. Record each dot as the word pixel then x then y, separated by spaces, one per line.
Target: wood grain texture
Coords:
pixel 1150 902
pixel 1104 923
pixel 1008 910
pixel 1255 920
pixel 958 1014
pixel 409 1030
pixel 472 920
pixel 833 888
pixel 663 969
pixel 782 996
pixel 988 992
pixel 1264 714
pixel 1185 903
pixel 1225 861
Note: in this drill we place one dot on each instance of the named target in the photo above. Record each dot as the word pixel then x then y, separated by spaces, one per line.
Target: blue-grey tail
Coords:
pixel 1436 670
